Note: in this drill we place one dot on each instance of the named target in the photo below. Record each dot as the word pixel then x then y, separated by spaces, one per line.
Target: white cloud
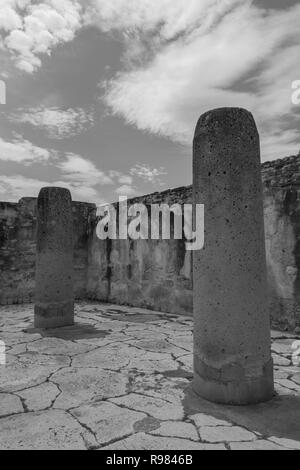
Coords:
pixel 78 169
pixel 185 58
pixel 278 144
pixel 181 59
pixel 58 123
pixel 30 28
pixel 122 178
pixel 9 19
pixel 79 175
pixel 14 187
pixel 22 151
pixel 81 191
pixel 170 17
pixel 126 190
pixel 125 179
pixel 148 174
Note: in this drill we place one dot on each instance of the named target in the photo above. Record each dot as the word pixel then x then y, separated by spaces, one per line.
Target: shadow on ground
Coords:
pixel 75 332
pixel 117 314
pixel 279 417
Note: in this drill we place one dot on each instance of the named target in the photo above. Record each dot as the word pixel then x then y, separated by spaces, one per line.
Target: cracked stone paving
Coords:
pixel 120 380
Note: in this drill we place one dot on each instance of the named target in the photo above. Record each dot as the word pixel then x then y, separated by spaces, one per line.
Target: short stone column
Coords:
pixel 232 345
pixel 54 298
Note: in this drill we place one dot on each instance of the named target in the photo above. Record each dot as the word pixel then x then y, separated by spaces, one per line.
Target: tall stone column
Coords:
pixel 232 353
pixel 54 298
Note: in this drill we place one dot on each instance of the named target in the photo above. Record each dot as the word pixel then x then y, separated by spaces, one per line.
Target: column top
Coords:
pixel 225 118
pixel 54 191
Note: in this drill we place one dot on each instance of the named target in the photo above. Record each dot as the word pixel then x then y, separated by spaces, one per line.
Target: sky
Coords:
pixel 102 96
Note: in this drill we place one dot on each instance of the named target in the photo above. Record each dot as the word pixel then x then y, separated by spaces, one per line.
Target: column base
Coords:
pixel 247 391
pixel 53 315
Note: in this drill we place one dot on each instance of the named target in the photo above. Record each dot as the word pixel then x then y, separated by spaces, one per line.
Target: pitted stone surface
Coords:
pixel 257 445
pixel 40 397
pixel 202 420
pixel 177 429
pixel 51 346
pixel 18 375
pixel 108 421
pixel 54 274
pixel 79 386
pixel 145 442
pixel 110 384
pixel 288 443
pixel 155 407
pixel 10 404
pixel 225 433
pixel 50 431
pixel 232 356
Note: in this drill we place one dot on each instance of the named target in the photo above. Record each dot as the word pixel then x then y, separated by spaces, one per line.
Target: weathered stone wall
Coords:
pixel 158 274
pixel 83 215
pixel 17 251
pixel 18 247
pixel 155 274
pixel 282 225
